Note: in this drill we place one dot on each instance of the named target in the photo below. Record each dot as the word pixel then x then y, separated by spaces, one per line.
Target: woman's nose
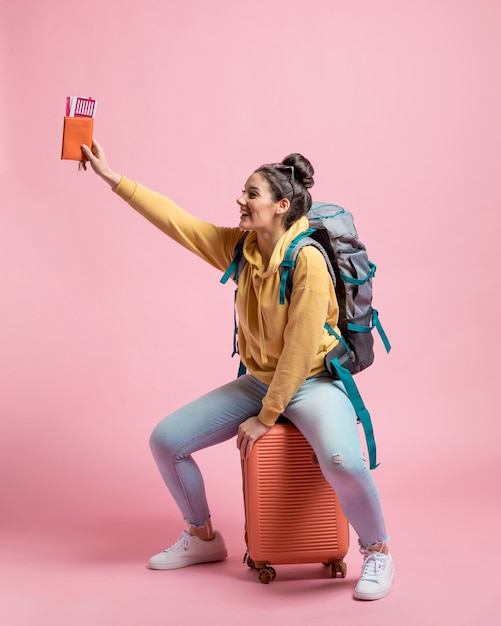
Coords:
pixel 241 200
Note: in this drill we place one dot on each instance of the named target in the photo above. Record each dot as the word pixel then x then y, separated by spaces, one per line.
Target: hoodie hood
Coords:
pixel 253 255
pixel 260 282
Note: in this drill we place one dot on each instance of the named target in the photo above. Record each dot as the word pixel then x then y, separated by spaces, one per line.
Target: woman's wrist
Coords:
pixel 112 178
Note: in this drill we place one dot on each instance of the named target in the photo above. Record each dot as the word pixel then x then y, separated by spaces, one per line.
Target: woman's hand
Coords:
pixel 248 433
pixel 99 164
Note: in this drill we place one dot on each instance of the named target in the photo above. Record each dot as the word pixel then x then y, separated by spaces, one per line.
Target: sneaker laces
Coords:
pixel 373 565
pixel 183 542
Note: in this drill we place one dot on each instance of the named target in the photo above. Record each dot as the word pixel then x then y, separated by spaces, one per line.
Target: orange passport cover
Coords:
pixel 76 131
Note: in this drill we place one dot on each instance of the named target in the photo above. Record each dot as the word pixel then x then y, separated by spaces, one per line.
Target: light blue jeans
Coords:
pixel 320 409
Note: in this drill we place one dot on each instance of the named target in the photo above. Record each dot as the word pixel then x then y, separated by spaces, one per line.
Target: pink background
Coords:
pixel 107 326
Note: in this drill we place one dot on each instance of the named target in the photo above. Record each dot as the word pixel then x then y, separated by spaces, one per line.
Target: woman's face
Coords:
pixel 258 210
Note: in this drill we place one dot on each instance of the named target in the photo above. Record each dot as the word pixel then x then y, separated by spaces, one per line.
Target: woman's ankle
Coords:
pixel 205 532
pixel 379 547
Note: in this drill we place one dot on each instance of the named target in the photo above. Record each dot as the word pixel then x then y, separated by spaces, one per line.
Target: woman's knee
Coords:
pixel 161 439
pixel 342 466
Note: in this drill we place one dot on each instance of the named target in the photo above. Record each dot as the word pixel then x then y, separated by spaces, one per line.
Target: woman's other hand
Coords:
pixel 98 162
pixel 248 433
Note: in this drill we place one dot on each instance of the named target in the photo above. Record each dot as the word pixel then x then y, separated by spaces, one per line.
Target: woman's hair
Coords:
pixel 290 179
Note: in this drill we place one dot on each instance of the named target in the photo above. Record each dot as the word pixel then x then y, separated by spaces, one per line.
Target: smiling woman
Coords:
pixel 283 348
pixel 273 199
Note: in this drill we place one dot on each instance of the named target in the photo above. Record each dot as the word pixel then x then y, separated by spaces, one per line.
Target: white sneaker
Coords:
pixel 190 550
pixel 377 577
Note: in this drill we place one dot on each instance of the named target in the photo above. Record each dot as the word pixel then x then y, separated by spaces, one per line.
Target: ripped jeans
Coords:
pixel 320 409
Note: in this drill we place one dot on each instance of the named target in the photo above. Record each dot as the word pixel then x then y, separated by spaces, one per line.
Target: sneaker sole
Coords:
pixel 371 596
pixel 361 595
pixel 210 558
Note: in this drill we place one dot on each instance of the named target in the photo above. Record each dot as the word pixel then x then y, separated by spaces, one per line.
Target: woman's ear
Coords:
pixel 283 206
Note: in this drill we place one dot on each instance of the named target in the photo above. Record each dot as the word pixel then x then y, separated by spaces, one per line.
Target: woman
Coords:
pixel 283 348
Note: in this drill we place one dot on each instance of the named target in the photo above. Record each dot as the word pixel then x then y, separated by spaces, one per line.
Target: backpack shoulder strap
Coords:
pixel 289 261
pixel 235 267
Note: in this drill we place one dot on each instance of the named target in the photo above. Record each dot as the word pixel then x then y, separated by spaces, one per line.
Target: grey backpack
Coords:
pixel 333 232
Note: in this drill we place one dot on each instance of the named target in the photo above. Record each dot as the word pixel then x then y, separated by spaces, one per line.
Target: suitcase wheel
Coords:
pixel 250 563
pixel 338 567
pixel 266 574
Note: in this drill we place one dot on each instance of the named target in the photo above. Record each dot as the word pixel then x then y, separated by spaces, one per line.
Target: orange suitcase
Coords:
pixel 292 514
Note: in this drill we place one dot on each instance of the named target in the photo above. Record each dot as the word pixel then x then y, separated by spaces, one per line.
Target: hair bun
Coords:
pixel 303 169
pixel 308 182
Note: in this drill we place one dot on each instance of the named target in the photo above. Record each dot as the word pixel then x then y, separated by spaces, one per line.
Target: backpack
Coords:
pixel 332 231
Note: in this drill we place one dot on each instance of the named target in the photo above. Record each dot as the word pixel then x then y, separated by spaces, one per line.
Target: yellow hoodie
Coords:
pixel 281 345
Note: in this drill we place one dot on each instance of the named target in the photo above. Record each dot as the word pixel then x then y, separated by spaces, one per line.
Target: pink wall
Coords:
pixel 107 325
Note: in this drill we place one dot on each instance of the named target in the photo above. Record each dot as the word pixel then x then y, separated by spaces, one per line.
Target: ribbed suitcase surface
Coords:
pixel 292 513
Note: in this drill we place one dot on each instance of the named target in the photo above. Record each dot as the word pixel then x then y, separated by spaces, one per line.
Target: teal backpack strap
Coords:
pixel 358 404
pixel 234 266
pixel 360 281
pixel 363 414
pixel 289 262
pixel 377 325
pixel 241 369
pixel 339 337
pixel 286 264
